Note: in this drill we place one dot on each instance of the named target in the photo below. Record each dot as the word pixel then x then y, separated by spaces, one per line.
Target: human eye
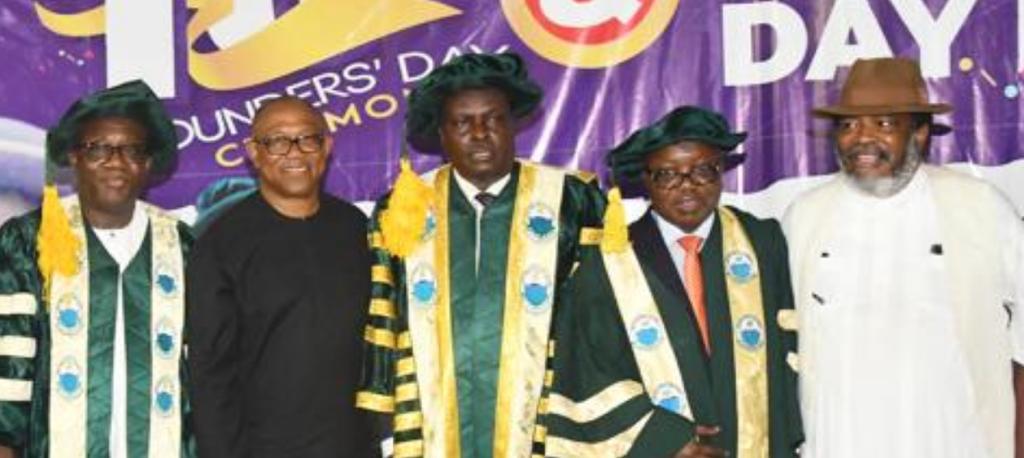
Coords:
pixel 136 151
pixel 886 123
pixel 277 141
pixel 95 151
pixel 663 175
pixel 846 125
pixel 705 172
pixel 310 142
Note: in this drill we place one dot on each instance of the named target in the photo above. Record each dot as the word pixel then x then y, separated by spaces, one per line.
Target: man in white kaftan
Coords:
pixel 907 280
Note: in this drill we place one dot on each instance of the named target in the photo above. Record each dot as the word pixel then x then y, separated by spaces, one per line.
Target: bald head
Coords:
pixel 290 106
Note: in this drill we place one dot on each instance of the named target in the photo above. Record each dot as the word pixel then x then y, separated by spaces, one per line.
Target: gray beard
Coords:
pixel 883 187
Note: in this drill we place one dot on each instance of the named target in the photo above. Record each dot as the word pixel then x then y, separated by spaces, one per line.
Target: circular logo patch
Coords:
pixel 645 332
pixel 165 281
pixel 69 378
pixel 166 339
pixel 589 34
pixel 537 293
pixel 164 397
pixel 540 222
pixel 749 332
pixel 670 397
pixel 69 314
pixel 423 286
pixel 740 266
pixel 430 226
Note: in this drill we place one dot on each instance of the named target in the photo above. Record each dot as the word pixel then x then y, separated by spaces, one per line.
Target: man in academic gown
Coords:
pixel 91 294
pixel 277 303
pixel 676 345
pixel 468 267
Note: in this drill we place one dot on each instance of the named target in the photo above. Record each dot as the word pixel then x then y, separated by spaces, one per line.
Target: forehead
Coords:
pixel 684 152
pixel 111 127
pixel 476 99
pixel 874 117
pixel 287 116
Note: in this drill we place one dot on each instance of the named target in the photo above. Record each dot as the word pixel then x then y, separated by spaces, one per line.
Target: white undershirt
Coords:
pixel 121 244
pixel 470 191
pixel 670 234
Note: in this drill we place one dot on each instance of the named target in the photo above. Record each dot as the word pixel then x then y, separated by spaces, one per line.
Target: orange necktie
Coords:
pixel 695 285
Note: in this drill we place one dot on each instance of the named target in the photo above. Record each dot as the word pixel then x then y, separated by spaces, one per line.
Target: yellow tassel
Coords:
pixel 616 235
pixel 58 247
pixel 404 221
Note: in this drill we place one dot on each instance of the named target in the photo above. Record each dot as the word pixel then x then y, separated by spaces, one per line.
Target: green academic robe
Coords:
pixel 25 316
pixel 477 311
pixel 595 364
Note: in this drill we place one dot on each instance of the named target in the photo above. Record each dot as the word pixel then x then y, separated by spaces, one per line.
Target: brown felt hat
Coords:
pixel 886 85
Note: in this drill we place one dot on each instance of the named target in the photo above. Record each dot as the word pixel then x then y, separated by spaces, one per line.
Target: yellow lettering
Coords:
pixel 222 156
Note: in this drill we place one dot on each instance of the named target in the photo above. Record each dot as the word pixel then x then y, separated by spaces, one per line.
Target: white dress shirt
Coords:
pixel 670 234
pixel 470 191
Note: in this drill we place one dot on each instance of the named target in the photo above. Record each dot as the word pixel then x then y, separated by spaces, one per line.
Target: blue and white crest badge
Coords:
pixel 166 339
pixel 536 290
pixel 69 314
pixel 69 378
pixel 163 397
pixel 165 281
pixel 749 332
pixel 540 222
pixel 423 286
pixel 429 225
pixel 670 397
pixel 646 332
pixel 740 266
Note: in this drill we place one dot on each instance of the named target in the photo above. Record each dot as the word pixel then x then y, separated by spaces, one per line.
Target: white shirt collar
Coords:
pixel 672 233
pixel 122 243
pixel 470 190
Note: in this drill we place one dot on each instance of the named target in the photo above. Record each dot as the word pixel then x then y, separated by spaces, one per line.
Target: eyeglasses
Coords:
pixel 700 175
pixel 96 153
pixel 281 145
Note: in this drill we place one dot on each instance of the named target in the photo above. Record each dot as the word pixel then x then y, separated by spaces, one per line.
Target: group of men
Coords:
pixel 499 307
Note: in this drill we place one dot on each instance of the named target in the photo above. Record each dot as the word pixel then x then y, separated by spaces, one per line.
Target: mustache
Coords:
pixel 868 148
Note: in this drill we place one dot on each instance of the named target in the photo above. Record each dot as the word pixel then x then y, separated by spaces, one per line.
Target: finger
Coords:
pixel 706 430
pixel 710 451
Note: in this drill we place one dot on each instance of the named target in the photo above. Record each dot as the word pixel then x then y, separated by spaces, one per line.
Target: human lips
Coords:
pixel 294 167
pixel 688 203
pixel 867 157
pixel 114 181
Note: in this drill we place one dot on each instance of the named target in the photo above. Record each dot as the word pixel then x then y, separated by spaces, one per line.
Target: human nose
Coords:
pixel 477 129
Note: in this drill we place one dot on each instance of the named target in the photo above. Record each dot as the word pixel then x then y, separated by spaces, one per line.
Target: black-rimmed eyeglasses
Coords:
pixel 280 145
pixel 700 175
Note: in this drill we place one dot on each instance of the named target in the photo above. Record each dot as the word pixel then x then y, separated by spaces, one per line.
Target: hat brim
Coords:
pixel 629 160
pixel 505 72
pixel 838 111
pixel 133 100
pixel 423 134
pixel 833 111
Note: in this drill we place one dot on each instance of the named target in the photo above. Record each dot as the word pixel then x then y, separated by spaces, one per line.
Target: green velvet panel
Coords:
pixel 137 310
pixel 103 284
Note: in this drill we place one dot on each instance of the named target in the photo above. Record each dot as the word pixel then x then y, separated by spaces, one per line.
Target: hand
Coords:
pixel 6 452
pixel 698 447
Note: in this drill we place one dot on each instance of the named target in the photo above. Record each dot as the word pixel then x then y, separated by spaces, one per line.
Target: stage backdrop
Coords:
pixel 607 66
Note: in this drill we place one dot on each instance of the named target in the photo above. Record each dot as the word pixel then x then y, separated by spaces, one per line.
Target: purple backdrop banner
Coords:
pixel 607 66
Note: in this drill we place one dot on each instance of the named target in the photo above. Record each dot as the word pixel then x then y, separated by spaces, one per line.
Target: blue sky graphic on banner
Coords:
pixel 607 66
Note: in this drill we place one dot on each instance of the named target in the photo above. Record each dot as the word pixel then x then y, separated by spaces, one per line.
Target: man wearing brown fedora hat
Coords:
pixel 906 277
